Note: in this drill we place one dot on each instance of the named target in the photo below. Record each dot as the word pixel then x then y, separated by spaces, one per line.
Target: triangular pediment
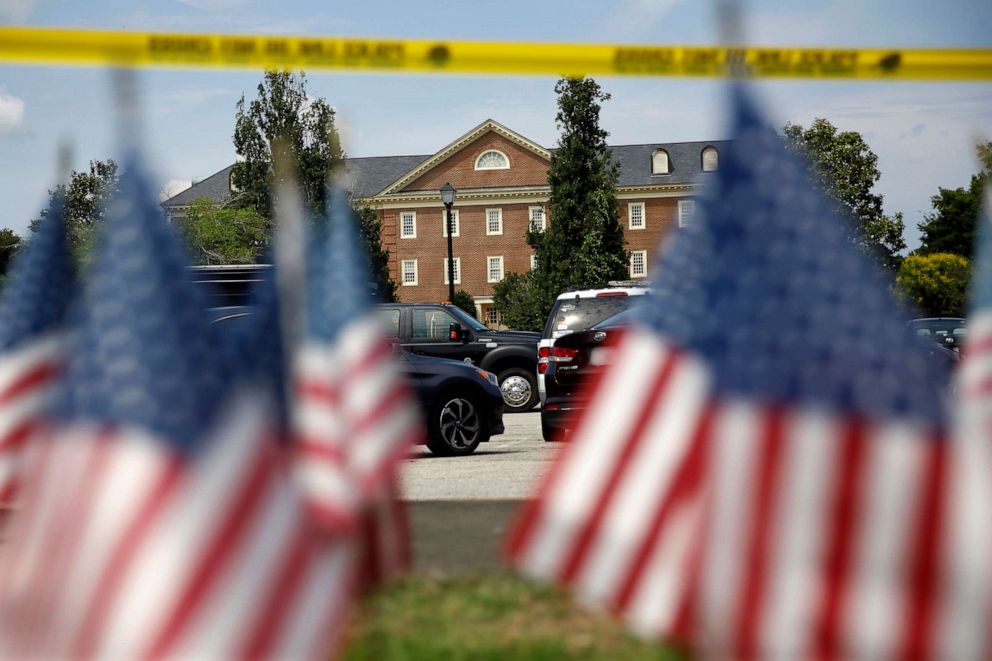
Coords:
pixel 489 126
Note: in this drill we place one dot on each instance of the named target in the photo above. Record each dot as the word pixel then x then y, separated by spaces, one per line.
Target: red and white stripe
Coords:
pixel 354 420
pixel 28 375
pixel 757 531
pixel 125 549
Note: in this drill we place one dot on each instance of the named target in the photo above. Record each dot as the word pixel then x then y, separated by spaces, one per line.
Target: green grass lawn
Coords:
pixel 486 616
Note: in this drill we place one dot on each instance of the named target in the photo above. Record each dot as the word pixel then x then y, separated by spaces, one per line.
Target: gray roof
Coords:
pixel 373 173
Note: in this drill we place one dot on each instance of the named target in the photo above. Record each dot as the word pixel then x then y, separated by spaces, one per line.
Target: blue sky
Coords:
pixel 923 133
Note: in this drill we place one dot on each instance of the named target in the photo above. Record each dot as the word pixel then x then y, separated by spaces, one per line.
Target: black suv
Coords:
pixel 445 331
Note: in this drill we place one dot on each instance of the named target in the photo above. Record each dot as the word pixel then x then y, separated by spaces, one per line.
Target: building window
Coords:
pixel 533 262
pixel 494 221
pixel 659 162
pixel 495 268
pixel 492 316
pixel 458 270
pixel 454 221
pixel 638 263
pixel 492 159
pixel 408 225
pixel 635 215
pixel 409 272
pixel 686 210
pixel 537 219
pixel 711 159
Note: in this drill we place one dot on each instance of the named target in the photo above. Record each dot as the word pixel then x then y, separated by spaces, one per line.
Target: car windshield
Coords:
pixel 465 318
pixel 940 327
pixel 576 314
pixel 621 319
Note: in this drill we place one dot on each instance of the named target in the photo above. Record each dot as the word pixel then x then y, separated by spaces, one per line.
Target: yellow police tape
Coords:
pixel 139 49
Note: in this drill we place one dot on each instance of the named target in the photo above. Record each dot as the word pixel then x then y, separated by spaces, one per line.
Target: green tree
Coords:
pixel 936 284
pixel 848 170
pixel 284 111
pixel 465 301
pixel 951 226
pixel 584 242
pixel 370 228
pixel 86 197
pixel 218 235
pixel 10 243
pixel 518 300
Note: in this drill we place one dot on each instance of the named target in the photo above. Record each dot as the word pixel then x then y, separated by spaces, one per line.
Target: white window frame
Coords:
pixel 530 217
pixel 489 269
pixel 644 263
pixel 702 159
pixel 412 235
pixel 630 215
pixel 506 159
pixel 533 262
pixel 454 219
pixel 458 270
pixel 668 162
pixel 687 209
pixel 498 210
pixel 416 269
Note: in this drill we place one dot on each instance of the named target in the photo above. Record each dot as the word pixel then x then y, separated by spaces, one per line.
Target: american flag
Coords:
pixel 161 520
pixel 763 468
pixel 354 415
pixel 33 309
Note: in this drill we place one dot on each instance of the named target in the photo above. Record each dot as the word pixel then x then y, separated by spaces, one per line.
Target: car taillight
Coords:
pixel 544 352
pixel 542 359
pixel 563 354
pixel 603 294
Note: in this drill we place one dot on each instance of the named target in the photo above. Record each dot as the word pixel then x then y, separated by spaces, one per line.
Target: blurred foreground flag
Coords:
pixel 761 469
pixel 160 521
pixel 355 415
pixel 33 308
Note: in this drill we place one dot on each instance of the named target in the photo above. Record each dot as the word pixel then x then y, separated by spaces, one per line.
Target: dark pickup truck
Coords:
pixel 445 331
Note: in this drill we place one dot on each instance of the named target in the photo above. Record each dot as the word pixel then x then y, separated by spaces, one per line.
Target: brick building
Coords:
pixel 501 179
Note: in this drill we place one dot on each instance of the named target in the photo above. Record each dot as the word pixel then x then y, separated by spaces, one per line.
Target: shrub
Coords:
pixel 936 284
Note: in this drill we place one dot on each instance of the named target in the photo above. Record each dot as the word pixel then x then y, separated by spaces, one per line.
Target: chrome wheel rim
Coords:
pixel 459 423
pixel 516 390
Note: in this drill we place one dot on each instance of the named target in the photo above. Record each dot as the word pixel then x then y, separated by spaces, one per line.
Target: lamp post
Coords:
pixel 448 198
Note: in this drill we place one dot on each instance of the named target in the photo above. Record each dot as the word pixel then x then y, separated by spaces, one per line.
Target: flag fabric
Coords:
pixel 33 307
pixel 161 520
pixel 762 470
pixel 354 414
pixel 969 603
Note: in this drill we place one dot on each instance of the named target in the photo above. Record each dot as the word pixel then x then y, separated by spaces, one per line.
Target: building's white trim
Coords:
pixel 408 236
pixel 502 268
pixel 454 219
pixel 506 159
pixel 416 273
pixel 544 216
pixel 490 232
pixel 687 208
pixel 644 263
pixel 516 195
pixel 630 215
pixel 458 270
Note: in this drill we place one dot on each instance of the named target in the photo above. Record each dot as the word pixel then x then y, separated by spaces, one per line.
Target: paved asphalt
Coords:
pixel 461 507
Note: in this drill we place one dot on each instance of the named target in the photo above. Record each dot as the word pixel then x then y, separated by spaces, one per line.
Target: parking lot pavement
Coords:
pixel 508 467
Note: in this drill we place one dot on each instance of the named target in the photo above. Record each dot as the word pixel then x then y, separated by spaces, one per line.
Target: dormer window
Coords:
pixel 492 159
pixel 711 159
pixel 659 162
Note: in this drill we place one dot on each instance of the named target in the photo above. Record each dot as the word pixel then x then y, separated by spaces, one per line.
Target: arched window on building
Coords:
pixel 659 162
pixel 711 159
pixel 492 159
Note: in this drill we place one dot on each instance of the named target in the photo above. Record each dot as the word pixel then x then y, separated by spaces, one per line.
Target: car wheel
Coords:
pixel 548 432
pixel 457 426
pixel 519 389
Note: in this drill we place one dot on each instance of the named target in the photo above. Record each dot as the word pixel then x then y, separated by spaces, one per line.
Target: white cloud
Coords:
pixel 16 11
pixel 173 187
pixel 11 113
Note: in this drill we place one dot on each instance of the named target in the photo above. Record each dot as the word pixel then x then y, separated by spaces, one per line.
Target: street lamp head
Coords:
pixel 448 194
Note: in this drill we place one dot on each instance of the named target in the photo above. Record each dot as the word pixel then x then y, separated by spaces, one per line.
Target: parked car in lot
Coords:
pixel 461 403
pixel 948 332
pixel 579 309
pixel 446 331
pixel 573 359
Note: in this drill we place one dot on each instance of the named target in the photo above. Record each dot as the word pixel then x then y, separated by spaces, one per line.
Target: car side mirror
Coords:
pixel 456 333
